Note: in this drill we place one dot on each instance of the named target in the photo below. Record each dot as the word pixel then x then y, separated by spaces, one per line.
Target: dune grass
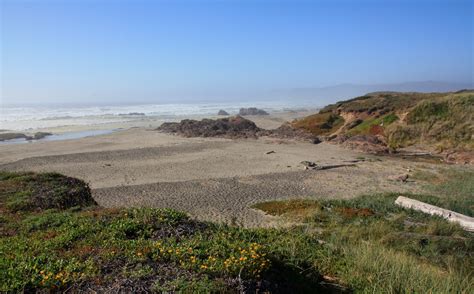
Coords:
pixel 445 123
pixel 381 102
pixel 453 188
pixel 440 121
pixel 372 246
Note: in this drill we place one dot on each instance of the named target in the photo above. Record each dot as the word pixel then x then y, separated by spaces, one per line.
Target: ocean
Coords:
pixel 31 118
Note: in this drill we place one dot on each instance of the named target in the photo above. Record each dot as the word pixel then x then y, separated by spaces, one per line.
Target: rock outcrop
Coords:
pixel 13 136
pixel 252 111
pixel 234 127
pixel 39 135
pixel 231 127
pixel 133 114
pixel 222 112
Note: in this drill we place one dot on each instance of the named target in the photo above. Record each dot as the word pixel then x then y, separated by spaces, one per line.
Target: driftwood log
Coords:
pixel 466 222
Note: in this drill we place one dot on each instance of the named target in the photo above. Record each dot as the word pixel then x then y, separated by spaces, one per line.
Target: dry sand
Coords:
pixel 211 179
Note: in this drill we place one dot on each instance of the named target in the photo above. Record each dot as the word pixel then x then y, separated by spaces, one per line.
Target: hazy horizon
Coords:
pixel 314 96
pixel 114 52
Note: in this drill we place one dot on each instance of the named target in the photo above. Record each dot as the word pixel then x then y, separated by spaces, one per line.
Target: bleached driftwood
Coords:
pixel 465 221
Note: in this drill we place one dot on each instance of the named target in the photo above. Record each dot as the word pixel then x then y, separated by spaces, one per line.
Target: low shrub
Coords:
pixel 30 191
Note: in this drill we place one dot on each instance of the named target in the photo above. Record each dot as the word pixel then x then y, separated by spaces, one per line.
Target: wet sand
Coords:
pixel 211 179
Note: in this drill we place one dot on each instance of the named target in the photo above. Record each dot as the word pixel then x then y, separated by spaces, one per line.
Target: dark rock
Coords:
pixel 40 135
pixel 252 111
pixel 231 127
pixel 234 127
pixel 12 136
pixel 316 140
pixel 222 112
pixel 132 114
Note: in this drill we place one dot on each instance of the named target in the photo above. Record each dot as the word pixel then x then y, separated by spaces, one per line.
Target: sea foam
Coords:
pixel 27 118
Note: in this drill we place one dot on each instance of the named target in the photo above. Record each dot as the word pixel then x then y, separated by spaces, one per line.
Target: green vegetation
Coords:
pixel 320 124
pixel 390 118
pixel 374 126
pixel 42 191
pixel 453 188
pixel 446 122
pixel 436 120
pixel 365 244
pixel 371 245
pixel 380 102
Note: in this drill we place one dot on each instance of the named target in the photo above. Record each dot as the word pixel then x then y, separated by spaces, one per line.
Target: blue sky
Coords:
pixel 159 51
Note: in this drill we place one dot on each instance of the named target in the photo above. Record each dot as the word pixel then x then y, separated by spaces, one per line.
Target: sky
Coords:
pixel 108 51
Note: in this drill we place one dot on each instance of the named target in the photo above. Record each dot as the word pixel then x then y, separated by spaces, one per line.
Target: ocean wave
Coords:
pixel 27 118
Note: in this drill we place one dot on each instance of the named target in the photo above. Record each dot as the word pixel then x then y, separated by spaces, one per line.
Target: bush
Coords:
pixel 30 191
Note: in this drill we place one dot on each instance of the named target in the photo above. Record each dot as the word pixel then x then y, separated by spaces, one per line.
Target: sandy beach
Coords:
pixel 210 178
